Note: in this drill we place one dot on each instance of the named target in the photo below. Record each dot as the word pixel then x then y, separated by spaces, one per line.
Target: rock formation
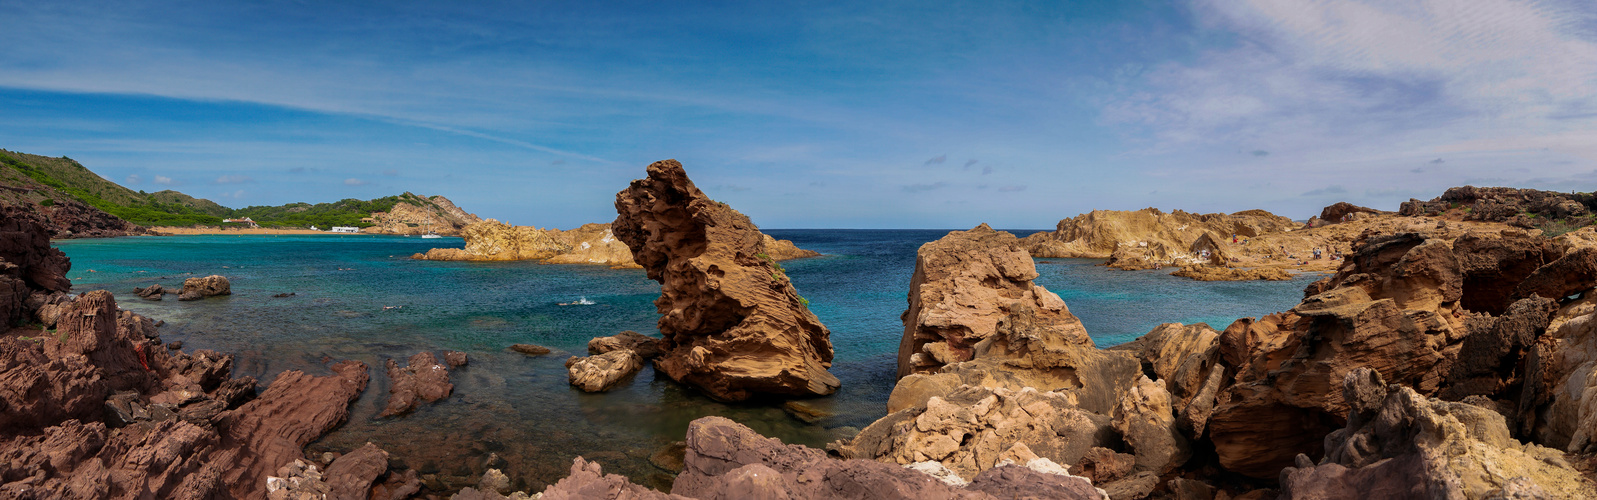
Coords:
pixel 417 215
pixel 60 214
pixel 1398 444
pixel 593 244
pixel 423 379
pixel 152 292
pixel 209 286
pixel 733 324
pixel 972 294
pixel 1526 208
pixel 1147 232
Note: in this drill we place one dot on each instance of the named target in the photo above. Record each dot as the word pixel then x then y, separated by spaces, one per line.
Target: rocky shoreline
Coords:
pixel 1442 359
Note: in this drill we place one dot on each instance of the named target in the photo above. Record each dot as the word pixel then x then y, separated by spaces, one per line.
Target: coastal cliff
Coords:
pixel 60 213
pixel 594 244
pixel 734 326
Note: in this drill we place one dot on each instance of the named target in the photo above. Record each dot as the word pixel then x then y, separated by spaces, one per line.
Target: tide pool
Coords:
pixel 362 297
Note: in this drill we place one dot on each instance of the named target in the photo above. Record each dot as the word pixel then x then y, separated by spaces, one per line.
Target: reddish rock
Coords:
pixel 456 359
pixel 424 379
pixel 589 482
pixel 733 324
pixel 352 475
pixel 28 263
pixel 1335 212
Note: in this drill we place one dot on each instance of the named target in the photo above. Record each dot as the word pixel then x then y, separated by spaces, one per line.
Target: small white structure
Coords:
pixel 345 229
pixel 245 221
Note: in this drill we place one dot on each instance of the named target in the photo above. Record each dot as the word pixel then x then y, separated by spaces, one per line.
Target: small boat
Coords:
pixel 431 234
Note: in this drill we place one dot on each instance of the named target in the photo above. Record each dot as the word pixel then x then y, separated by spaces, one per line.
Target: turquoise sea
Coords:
pixel 517 413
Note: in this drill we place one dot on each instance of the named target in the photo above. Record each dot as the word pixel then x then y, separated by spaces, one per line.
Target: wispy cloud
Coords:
pixel 234 179
pixel 133 180
pixel 937 160
pixel 355 182
pixel 164 180
pixel 924 187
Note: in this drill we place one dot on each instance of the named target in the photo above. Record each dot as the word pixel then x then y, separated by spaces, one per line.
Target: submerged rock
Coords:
pixel 734 326
pixel 530 349
pixel 152 292
pixel 423 379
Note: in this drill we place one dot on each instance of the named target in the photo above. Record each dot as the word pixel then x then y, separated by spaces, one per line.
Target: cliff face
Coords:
pixel 1165 236
pixel 1525 208
pixel 415 215
pixel 733 324
pixel 60 214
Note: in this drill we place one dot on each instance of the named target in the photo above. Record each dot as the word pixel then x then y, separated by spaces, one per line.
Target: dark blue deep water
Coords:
pixel 517 413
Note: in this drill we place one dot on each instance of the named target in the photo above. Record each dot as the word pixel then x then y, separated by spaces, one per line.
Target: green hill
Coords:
pixel 172 208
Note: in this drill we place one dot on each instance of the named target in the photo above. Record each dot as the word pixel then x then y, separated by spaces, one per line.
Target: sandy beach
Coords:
pixel 178 231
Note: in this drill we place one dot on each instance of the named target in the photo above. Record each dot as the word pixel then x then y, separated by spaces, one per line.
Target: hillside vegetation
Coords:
pixel 172 208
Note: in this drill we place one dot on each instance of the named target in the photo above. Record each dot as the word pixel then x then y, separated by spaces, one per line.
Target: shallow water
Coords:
pixel 517 413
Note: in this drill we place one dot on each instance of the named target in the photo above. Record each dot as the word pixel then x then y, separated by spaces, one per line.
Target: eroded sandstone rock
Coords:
pixel 602 372
pixel 1398 444
pixel 209 286
pixel 734 326
pixel 647 347
pixel 972 296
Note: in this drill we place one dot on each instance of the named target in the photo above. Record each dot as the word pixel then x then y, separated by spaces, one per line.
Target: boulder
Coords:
pixel 734 326
pixel 352 475
pixel 1398 444
pixel 423 379
pixel 209 286
pixel 972 296
pixel 602 372
pixel 647 347
pixel 152 292
pixel 1336 212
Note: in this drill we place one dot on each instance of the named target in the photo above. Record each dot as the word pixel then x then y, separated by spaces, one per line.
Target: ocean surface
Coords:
pixel 362 297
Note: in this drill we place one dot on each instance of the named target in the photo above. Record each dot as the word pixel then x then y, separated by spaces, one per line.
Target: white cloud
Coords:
pixel 354 182
pixel 234 179
pixel 133 179
pixel 164 180
pixel 1376 81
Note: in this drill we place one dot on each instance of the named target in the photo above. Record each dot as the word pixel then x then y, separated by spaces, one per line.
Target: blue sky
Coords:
pixel 888 114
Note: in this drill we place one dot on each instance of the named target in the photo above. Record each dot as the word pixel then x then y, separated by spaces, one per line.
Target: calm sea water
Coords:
pixel 517 413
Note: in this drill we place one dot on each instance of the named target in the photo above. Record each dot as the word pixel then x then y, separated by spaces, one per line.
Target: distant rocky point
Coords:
pixel 595 244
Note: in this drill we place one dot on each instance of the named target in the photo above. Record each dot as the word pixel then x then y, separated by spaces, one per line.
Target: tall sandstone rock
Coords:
pixel 733 324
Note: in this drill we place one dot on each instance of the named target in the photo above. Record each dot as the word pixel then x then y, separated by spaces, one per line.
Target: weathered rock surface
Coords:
pixel 972 296
pixel 969 430
pixel 727 460
pixel 1145 419
pixel 209 286
pixel 733 324
pixel 647 347
pixel 1148 235
pixel 1507 205
pixel 1339 211
pixel 1398 444
pixel 28 264
pixel 602 372
pixel 59 213
pixel 423 379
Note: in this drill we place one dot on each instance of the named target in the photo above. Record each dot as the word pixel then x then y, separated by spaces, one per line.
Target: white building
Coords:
pixel 345 229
